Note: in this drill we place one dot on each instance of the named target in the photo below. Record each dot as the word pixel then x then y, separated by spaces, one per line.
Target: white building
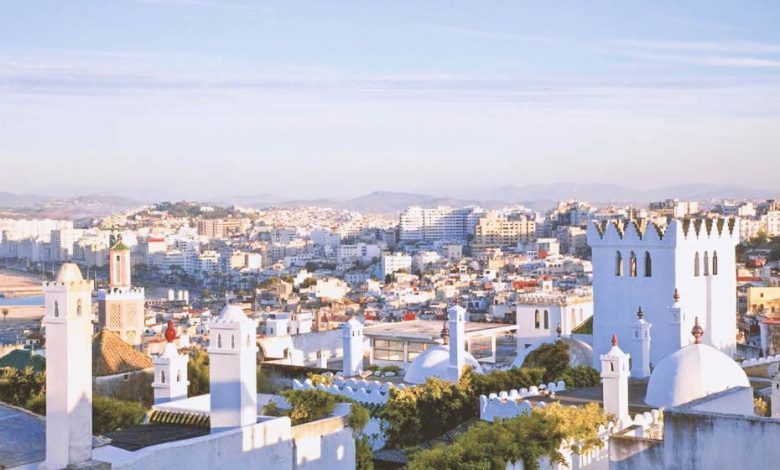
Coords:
pixel 642 265
pixel 394 262
pixel 539 316
pixel 442 223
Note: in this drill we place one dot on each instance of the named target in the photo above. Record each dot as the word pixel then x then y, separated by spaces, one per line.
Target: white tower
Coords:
pixel 68 368
pixel 170 371
pixel 456 316
pixel 640 263
pixel 640 366
pixel 233 370
pixel 352 341
pixel 614 375
pixel 775 397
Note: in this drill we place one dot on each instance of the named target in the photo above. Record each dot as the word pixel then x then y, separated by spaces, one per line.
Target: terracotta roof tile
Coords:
pixel 111 355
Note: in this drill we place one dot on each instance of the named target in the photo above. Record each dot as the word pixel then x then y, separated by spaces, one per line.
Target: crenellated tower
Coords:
pixel 640 263
pixel 121 307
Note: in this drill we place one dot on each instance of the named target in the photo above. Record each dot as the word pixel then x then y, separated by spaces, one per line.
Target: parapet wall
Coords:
pixel 635 232
pixel 362 391
pixel 510 404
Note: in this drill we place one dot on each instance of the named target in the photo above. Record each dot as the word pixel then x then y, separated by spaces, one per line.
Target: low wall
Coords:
pixel 362 391
pixel 510 404
pixel 133 386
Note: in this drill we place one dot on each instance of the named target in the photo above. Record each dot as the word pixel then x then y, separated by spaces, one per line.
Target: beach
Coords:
pixel 24 297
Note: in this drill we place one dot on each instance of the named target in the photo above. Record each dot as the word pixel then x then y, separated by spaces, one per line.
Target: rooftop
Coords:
pixel 430 329
pixel 111 356
pixel 22 437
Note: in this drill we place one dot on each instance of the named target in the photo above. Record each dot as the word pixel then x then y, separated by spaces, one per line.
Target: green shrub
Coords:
pixel 18 387
pixel 198 373
pixel 526 438
pixel 580 376
pixel 109 414
pixel 554 358
pixel 308 405
pixel 372 367
pixel 364 456
pixel 391 368
pixel 37 404
pixel 500 380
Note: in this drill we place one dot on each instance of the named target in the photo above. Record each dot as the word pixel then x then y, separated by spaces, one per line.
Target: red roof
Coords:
pixel 748 279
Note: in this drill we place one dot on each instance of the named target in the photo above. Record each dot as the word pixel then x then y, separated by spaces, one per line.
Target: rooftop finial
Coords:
pixel 170 332
pixel 640 314
pixel 697 332
pixel 676 295
pixel 614 341
pixel 445 333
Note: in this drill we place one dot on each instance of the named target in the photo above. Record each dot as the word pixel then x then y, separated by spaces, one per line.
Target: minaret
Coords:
pixel 640 336
pixel 457 337
pixel 614 375
pixel 233 370
pixel 352 341
pixel 170 371
pixel 119 265
pixel 68 368
pixel 677 319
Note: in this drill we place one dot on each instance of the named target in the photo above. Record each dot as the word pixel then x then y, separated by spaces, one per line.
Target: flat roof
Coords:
pixel 431 329
pixel 22 437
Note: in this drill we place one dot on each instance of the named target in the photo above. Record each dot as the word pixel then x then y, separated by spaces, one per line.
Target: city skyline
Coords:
pixel 192 97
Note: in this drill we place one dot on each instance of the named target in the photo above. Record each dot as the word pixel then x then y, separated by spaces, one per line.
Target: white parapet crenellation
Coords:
pixel 759 361
pixel 362 391
pixel 510 404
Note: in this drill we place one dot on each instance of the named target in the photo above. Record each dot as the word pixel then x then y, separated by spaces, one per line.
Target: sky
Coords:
pixel 302 99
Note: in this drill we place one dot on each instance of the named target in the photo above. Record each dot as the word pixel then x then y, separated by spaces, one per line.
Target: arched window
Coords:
pixel 714 263
pixel 648 265
pixel 247 341
pixel 232 341
pixel 618 264
pixel 219 341
pixel 56 308
pixel 632 265
pixel 536 319
pixel 178 375
pixel 546 320
pixel 162 376
pixel 696 264
pixel 78 308
pixel 706 264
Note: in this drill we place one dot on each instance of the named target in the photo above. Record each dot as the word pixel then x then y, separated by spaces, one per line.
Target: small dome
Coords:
pixel 232 313
pixel 693 372
pixel 433 362
pixel 69 272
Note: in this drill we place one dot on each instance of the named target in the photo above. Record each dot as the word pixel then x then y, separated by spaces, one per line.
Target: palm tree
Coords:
pixel 5 313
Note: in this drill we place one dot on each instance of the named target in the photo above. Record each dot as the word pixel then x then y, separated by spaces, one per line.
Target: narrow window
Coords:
pixel 546 320
pixel 56 308
pixel 78 308
pixel 696 264
pixel 612 367
pixel 706 264
pixel 536 319
pixel 648 265
pixel 247 341
pixel 219 341
pixel 618 264
pixel 162 376
pixel 178 375
pixel 632 265
pixel 232 341
pixel 714 263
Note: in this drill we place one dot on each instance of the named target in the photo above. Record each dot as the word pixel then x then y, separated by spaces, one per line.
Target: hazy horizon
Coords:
pixel 339 99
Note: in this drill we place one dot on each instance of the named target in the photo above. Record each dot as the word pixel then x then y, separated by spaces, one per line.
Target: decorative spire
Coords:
pixel 559 330
pixel 697 332
pixel 445 333
pixel 614 341
pixel 640 314
pixel 170 332
pixel 676 295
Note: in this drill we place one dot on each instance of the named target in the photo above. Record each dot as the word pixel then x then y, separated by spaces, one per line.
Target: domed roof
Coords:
pixel 433 362
pixel 580 352
pixel 693 372
pixel 69 272
pixel 232 313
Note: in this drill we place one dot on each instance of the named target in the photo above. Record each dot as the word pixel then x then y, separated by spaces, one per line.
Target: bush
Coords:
pixel 308 405
pixel 580 376
pixel 391 368
pixel 18 387
pixel 364 456
pixel 500 380
pixel 198 373
pixel 554 358
pixel 37 404
pixel 109 414
pixel 526 438
pixel 372 367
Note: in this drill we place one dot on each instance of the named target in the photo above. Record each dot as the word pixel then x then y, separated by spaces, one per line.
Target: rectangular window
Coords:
pixel 481 347
pixel 388 350
pixel 413 349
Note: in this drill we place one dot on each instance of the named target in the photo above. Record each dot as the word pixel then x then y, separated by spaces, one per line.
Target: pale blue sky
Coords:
pixel 204 98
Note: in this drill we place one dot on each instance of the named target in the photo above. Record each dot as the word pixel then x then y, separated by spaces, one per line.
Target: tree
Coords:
pixel 554 358
pixel 198 373
pixel 109 414
pixel 5 313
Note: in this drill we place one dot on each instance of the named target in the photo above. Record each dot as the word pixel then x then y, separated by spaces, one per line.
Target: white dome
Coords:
pixel 433 362
pixel 693 372
pixel 69 272
pixel 170 350
pixel 232 313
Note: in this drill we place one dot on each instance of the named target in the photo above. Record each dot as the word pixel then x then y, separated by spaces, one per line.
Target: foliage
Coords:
pixel 198 373
pixel 37 404
pixel 760 407
pixel 307 405
pixel 554 358
pixel 526 438
pixel 580 377
pixel 358 415
pixel 372 367
pixel 109 414
pixel 420 413
pixel 308 282
pixel 364 456
pixel 18 387
pixel 498 380
pixel 391 368
pixel 320 379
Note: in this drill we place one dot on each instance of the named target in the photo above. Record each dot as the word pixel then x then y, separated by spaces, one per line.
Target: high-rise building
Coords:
pixel 121 306
pixel 443 223
pixel 498 230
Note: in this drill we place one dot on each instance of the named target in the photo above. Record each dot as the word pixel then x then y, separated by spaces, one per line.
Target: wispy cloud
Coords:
pixel 219 4
pixel 483 33
pixel 743 47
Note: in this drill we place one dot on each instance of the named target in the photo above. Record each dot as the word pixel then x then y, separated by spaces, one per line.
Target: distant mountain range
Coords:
pixel 536 196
